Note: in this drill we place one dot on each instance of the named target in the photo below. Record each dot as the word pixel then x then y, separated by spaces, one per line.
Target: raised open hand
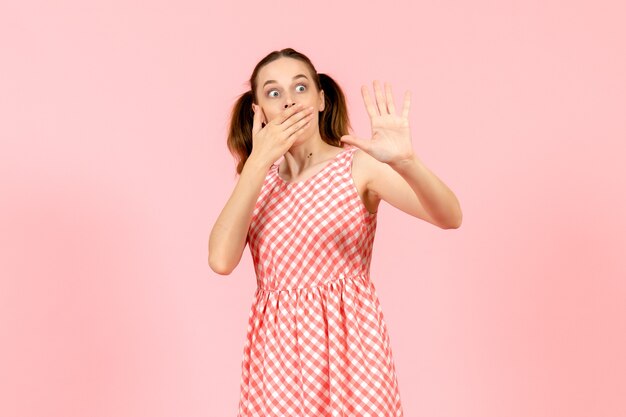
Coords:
pixel 391 137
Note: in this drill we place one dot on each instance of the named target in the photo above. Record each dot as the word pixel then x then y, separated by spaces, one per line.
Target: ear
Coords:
pixel 323 105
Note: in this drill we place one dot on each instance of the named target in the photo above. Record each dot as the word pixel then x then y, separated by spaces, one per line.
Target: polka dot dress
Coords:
pixel 316 343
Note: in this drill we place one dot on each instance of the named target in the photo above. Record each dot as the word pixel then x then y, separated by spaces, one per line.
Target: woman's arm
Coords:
pixel 395 173
pixel 228 236
pixel 413 188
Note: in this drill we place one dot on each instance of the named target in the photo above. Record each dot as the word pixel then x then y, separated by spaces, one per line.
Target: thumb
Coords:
pixel 256 121
pixel 353 140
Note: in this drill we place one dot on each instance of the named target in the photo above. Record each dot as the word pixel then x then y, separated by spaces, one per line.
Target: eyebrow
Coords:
pixel 274 81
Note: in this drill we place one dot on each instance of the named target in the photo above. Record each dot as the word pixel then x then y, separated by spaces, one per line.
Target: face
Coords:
pixel 283 82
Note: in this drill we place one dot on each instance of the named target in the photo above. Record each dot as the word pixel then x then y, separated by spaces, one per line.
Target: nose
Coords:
pixel 288 105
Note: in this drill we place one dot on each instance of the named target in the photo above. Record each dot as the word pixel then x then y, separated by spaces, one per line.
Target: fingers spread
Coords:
pixel 390 104
pixel 369 105
pixel 380 98
pixel 407 104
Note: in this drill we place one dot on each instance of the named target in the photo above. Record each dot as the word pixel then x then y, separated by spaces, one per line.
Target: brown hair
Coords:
pixel 333 122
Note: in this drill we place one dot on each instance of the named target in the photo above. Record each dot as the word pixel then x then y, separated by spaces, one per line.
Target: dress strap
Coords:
pixel 348 156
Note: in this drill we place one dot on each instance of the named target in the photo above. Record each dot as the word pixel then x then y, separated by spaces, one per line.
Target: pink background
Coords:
pixel 114 168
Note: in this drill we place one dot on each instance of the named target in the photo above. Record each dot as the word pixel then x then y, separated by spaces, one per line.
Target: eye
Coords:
pixel 269 93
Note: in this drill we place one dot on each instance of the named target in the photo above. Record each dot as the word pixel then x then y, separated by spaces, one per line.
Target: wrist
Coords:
pixel 257 163
pixel 404 162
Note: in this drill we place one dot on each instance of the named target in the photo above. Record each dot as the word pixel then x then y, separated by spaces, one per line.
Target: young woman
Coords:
pixel 317 343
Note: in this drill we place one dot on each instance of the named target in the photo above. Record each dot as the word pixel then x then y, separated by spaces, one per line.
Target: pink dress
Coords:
pixel 317 344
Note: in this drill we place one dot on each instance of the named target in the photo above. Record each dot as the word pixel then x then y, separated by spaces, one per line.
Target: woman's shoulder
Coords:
pixel 364 168
pixel 363 164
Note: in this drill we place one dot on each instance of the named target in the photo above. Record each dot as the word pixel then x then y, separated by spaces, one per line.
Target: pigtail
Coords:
pixel 334 120
pixel 239 139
